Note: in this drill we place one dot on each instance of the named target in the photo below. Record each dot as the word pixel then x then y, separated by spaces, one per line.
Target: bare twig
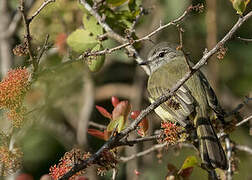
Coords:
pixel 115 172
pixel 44 4
pixel 244 39
pixel 113 141
pixel 239 106
pixel 97 125
pixel 27 22
pixel 229 154
pixel 147 151
pixel 244 121
pixel 138 140
pixel 151 149
pixel 43 49
pixel 244 148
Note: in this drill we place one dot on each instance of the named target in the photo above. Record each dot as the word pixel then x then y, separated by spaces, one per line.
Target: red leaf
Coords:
pixel 114 101
pixel 134 114
pixel 143 126
pixel 186 172
pixel 121 109
pixel 104 112
pixel 99 134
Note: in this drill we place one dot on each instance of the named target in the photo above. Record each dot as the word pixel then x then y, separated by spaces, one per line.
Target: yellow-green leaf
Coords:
pixel 116 123
pixel 91 24
pixel 240 5
pixel 95 63
pixel 80 40
pixel 190 161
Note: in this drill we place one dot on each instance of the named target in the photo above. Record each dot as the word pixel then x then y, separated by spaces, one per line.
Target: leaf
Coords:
pixel 143 126
pixel 240 5
pixel 114 101
pixel 117 123
pixel 122 108
pixel 188 165
pixel 92 25
pixel 95 63
pixel 104 112
pixel 132 5
pixel 99 134
pixel 116 3
pixel 80 40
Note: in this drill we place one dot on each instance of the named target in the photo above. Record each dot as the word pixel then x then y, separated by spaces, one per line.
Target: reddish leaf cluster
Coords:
pixel 12 91
pixel 118 118
pixel 10 160
pixel 67 162
pixel 13 88
pixel 171 133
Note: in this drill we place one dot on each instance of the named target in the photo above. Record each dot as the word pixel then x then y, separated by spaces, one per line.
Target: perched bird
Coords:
pixel 194 103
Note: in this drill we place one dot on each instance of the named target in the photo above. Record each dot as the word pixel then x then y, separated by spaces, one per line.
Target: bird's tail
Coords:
pixel 211 151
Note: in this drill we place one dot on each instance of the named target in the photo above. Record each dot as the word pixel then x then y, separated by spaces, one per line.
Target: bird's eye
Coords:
pixel 161 54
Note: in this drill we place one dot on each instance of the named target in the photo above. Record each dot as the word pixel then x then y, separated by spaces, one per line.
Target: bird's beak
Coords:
pixel 143 63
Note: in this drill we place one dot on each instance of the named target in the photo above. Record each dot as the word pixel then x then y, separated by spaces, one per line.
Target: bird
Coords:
pixel 196 101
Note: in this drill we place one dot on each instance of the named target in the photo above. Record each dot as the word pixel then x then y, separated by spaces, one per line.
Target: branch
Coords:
pixel 244 121
pixel 151 149
pixel 147 151
pixel 27 22
pixel 244 39
pixel 244 148
pixel 113 141
pixel 125 43
pixel 45 3
pixel 97 125
pixel 229 154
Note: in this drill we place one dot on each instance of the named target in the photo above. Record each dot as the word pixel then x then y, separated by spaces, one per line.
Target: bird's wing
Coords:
pixel 178 108
pixel 211 97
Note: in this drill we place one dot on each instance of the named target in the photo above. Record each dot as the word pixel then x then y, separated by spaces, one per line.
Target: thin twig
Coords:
pixel 244 39
pixel 229 154
pixel 113 141
pixel 239 107
pixel 244 121
pixel 244 148
pixel 45 3
pixel 43 49
pixel 151 149
pixel 147 151
pixel 28 36
pixel 97 125
pixel 115 172
pixel 125 142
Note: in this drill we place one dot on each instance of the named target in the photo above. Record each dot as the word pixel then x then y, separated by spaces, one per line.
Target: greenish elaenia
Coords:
pixel 197 101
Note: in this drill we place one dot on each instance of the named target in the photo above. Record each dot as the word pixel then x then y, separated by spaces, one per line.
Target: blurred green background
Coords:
pixel 63 98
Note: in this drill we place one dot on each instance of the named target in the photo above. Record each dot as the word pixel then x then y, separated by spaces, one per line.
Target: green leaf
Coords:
pixel 188 165
pixel 132 5
pixel 91 24
pixel 116 3
pixel 80 40
pixel 95 63
pixel 116 123
pixel 240 5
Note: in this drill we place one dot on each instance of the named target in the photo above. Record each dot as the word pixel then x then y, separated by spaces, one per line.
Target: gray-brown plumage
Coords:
pixel 194 102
